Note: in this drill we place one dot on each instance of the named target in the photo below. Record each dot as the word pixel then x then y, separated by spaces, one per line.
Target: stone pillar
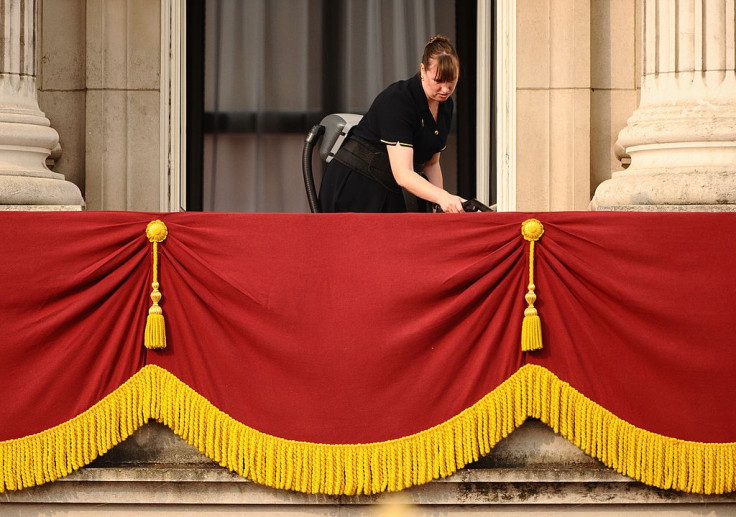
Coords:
pixel 682 138
pixel 26 138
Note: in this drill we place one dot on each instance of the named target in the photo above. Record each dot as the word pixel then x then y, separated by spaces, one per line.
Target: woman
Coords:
pixel 397 144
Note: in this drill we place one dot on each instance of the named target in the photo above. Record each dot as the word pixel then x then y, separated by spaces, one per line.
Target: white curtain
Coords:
pixel 264 58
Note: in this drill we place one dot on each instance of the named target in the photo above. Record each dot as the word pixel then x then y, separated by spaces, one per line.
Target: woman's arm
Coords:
pixel 433 171
pixel 402 166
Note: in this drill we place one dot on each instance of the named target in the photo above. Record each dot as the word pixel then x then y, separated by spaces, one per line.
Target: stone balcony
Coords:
pixel 533 471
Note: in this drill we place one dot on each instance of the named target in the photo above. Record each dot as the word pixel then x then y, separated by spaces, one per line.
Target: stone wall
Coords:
pixel 99 84
pixel 577 83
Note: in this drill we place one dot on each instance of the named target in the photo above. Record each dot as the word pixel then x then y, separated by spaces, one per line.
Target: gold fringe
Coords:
pixel 533 391
pixel 60 450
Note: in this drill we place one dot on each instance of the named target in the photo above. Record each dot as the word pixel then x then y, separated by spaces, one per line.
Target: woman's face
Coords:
pixel 436 91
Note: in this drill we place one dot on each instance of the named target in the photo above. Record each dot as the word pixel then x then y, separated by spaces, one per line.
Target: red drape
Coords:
pixel 348 329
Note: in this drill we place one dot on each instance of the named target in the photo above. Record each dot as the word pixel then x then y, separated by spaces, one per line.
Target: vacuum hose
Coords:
pixel 309 144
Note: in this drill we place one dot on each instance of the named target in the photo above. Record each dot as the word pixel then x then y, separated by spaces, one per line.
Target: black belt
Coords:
pixel 372 161
pixel 369 160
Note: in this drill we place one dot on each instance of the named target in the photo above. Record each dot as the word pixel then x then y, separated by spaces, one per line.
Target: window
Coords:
pixel 261 73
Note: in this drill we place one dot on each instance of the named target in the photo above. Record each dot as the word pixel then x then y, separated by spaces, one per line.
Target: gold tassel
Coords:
pixel 155 338
pixel 531 327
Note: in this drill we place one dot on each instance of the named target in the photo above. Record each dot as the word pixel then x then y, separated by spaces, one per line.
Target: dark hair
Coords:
pixel 448 64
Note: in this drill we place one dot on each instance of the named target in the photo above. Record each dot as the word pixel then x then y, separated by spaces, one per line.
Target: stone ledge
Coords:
pixel 532 466
pixel 216 474
pixel 41 208
pixel 666 208
pixel 178 486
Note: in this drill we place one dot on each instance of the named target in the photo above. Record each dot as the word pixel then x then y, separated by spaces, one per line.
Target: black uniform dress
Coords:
pixel 399 114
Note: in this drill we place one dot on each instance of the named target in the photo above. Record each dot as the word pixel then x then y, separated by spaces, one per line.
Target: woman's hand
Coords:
pixel 450 203
pixel 401 159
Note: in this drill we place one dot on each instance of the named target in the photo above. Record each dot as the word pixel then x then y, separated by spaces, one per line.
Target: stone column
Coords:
pixel 26 138
pixel 682 138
